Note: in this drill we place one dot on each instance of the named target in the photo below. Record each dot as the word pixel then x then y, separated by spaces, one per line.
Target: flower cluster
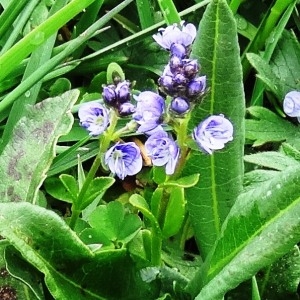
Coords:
pixel 118 96
pixel 291 104
pixel 180 78
pixel 180 81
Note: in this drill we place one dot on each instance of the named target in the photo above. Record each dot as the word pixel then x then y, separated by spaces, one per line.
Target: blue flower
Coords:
pixel 176 39
pixel 163 151
pixel 124 159
pixel 291 104
pixel 213 133
pixel 93 117
pixel 149 109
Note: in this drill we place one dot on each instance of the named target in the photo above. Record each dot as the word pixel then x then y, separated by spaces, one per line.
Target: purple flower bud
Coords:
pixel 93 117
pixel 180 105
pixel 123 91
pixel 178 50
pixel 124 159
pixel 109 95
pixel 179 79
pixel 163 151
pixel 174 35
pixel 291 104
pixel 126 109
pixel 149 109
pixel 196 87
pixel 175 64
pixel 166 83
pixel 213 133
pixel 190 67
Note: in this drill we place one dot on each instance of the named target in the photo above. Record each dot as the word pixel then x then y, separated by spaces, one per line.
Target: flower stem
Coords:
pixel 104 144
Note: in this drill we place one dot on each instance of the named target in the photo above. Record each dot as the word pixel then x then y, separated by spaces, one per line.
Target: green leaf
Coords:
pixel 114 73
pixel 183 182
pixel 112 221
pixel 18 287
pixel 57 190
pixel 262 226
pixel 267 76
pixel 74 269
pixel 272 160
pixel 268 127
pixel 281 279
pixel 175 212
pixel 217 49
pixel 97 188
pixel 70 183
pixel 29 153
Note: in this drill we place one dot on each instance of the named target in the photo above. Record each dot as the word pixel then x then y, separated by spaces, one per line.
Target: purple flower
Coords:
pixel 109 95
pixel 93 117
pixel 291 104
pixel 213 133
pixel 180 105
pixel 174 37
pixel 124 159
pixel 113 95
pixel 163 151
pixel 149 109
pixel 126 109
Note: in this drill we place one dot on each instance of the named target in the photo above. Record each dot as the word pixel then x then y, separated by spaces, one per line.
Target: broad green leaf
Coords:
pixel 221 174
pixel 13 284
pixel 281 279
pixel 175 212
pixel 29 153
pixel 261 227
pixel 254 178
pixel 269 127
pixel 69 266
pixel 25 272
pixel 272 160
pixel 112 221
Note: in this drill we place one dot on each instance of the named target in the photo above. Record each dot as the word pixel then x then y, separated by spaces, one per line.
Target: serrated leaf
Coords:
pixel 269 127
pixel 216 47
pixel 262 226
pixel 29 153
pixel 272 160
pixel 267 76
pixel 70 267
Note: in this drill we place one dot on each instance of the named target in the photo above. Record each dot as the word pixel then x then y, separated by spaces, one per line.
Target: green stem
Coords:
pixel 104 144
pixel 156 248
pixel 234 5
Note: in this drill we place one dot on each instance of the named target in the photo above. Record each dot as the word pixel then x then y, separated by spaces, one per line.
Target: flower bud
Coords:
pixel 196 87
pixel 109 95
pixel 180 105
pixel 175 64
pixel 126 109
pixel 166 83
pixel 123 91
pixel 190 67
pixel 178 50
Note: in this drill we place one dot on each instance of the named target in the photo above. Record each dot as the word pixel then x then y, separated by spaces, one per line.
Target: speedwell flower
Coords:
pixel 213 133
pixel 291 104
pixel 176 39
pixel 124 159
pixel 149 109
pixel 93 117
pixel 163 151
